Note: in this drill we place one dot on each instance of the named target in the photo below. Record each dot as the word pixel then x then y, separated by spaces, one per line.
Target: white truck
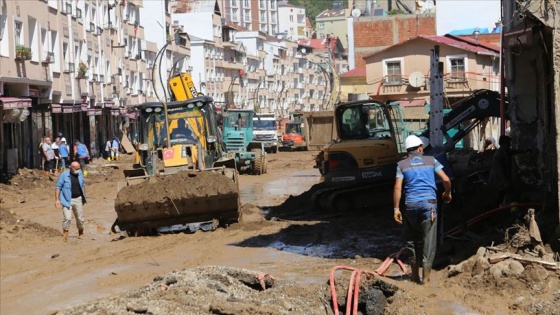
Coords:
pixel 265 131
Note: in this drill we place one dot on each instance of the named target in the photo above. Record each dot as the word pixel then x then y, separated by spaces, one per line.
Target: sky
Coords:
pixel 466 14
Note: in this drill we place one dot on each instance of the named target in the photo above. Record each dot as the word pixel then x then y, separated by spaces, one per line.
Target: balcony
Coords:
pixel 48 57
pixel 23 53
pixel 69 67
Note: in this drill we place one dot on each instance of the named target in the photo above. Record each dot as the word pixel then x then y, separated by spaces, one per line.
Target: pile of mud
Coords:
pixel 14 230
pixel 31 178
pixel 212 290
pixel 184 184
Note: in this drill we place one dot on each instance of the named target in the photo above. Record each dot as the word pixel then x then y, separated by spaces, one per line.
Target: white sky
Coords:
pixel 463 14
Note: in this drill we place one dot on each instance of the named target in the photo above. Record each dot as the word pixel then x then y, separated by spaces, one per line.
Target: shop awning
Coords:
pixel 15 102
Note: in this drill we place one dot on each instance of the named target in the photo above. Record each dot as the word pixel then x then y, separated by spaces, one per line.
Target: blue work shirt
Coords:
pixel 418 173
pixel 64 184
pixel 63 150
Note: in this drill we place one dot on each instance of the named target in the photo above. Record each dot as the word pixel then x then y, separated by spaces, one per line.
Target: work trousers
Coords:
pixel 115 153
pixel 76 207
pixel 421 231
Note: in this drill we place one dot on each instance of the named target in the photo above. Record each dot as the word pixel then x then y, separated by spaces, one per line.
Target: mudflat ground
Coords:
pixel 277 260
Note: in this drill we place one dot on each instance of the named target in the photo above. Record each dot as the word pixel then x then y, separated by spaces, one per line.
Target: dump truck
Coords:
pixel 249 154
pixel 182 173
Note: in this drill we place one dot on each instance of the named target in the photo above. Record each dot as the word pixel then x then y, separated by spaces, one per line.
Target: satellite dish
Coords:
pixel 303 51
pixel 356 13
pixel 416 79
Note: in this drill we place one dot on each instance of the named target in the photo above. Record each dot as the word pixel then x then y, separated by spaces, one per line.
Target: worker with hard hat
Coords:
pixel 415 177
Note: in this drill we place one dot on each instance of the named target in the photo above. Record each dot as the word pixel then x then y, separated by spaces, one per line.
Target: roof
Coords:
pixel 452 41
pixel 354 73
pixel 315 43
pixel 331 13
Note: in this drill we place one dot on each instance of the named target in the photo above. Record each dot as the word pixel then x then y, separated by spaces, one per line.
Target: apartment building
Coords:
pixel 64 62
pixel 254 15
pixel 292 21
pixel 332 22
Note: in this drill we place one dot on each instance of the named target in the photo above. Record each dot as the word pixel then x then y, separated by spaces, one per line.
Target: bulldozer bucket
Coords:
pixel 180 198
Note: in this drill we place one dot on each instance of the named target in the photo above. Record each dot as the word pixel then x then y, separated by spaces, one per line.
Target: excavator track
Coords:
pixel 353 197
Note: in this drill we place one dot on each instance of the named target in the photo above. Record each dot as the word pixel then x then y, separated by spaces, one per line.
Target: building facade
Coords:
pixel 292 22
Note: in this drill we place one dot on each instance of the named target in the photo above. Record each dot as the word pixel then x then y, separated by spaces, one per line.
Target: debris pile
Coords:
pixel 211 290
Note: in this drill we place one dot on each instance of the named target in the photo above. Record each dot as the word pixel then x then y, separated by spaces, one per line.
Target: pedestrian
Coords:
pixel 499 179
pixel 108 150
pixel 48 156
pixel 115 145
pixel 416 175
pixel 82 154
pixel 56 161
pixel 489 144
pixel 63 151
pixel 70 192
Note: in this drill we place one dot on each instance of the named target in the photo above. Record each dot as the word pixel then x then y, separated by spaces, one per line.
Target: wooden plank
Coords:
pixel 127 146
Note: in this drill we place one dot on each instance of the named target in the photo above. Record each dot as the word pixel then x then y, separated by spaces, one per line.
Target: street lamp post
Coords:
pixel 229 95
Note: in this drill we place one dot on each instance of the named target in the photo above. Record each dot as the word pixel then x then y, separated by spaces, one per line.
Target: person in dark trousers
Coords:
pixel 70 192
pixel 416 175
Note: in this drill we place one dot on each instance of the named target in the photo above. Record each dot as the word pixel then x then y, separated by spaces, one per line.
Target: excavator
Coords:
pixel 182 173
pixel 358 168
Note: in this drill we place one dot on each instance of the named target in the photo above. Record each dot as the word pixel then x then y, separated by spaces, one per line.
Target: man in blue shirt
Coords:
pixel 416 174
pixel 70 192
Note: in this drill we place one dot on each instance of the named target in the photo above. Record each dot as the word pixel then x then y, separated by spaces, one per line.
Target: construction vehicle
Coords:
pixel 249 155
pixel 293 138
pixel 359 167
pixel 179 139
pixel 264 130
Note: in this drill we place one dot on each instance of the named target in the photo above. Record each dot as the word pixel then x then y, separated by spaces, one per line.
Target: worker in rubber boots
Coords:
pixel 70 191
pixel 416 175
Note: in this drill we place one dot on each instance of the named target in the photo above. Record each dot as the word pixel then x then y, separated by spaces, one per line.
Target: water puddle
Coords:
pixel 289 184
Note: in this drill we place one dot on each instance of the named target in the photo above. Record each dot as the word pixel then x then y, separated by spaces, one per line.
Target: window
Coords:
pixel 393 72
pixel 291 18
pixel 321 25
pixel 18 27
pixel 457 68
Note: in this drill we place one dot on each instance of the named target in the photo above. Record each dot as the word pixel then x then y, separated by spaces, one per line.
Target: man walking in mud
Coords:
pixel 70 192
pixel 416 174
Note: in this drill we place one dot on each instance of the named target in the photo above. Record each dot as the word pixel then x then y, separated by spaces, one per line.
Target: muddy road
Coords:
pixel 281 235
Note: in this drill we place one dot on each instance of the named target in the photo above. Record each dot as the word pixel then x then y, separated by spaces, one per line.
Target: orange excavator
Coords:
pixel 293 138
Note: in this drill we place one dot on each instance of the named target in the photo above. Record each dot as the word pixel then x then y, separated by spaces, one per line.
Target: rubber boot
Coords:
pixel 65 234
pixel 80 233
pixel 426 270
pixel 415 273
pixel 47 173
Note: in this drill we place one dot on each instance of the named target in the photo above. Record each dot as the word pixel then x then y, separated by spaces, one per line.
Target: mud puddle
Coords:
pixel 293 183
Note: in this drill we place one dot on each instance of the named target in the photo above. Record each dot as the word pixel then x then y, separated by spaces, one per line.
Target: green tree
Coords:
pixel 314 7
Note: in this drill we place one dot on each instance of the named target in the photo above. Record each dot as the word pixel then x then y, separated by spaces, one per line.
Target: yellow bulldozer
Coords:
pixel 182 173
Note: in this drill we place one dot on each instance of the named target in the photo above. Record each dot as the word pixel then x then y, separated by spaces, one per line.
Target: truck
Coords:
pixel 265 131
pixel 249 155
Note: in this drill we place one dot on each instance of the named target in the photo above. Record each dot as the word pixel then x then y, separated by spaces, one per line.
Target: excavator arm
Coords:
pixel 470 112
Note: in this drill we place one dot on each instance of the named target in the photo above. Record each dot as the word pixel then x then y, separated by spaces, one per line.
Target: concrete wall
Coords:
pixel 533 83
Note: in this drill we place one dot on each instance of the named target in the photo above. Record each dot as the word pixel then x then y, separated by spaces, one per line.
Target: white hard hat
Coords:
pixel 63 139
pixel 412 141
